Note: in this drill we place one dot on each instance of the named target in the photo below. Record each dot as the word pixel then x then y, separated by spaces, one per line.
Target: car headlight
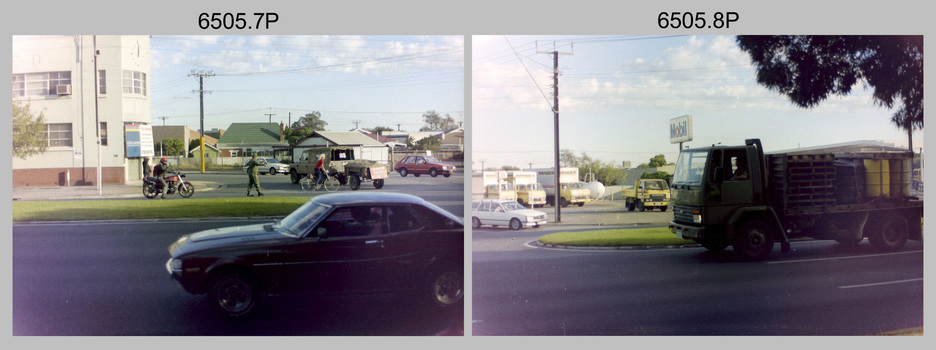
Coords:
pixel 175 264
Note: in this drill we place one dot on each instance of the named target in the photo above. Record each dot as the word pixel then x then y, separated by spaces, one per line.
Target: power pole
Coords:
pixel 163 119
pixel 555 52
pixel 271 114
pixel 201 112
pixel 356 122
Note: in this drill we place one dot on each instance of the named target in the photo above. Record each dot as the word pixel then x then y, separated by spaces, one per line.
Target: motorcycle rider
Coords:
pixel 160 171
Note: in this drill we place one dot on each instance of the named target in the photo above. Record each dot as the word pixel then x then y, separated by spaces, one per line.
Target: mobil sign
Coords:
pixel 680 129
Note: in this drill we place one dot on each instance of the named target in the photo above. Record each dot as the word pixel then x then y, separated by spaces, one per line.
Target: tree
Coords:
pixel 807 69
pixel 294 135
pixel 428 143
pixel 379 129
pixel 29 131
pixel 171 147
pixel 312 120
pixel 662 175
pixel 657 161
pixel 509 168
pixel 433 121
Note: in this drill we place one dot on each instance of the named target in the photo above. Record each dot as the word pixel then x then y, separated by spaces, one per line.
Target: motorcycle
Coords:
pixel 152 187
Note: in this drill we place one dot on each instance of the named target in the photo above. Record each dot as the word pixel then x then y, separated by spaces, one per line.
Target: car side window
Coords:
pixel 401 219
pixel 434 221
pixel 485 206
pixel 355 221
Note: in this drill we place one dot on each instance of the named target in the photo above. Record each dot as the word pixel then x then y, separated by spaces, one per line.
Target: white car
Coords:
pixel 497 212
pixel 269 166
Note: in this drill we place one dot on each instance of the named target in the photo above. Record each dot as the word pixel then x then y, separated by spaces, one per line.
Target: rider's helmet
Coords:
pixel 163 160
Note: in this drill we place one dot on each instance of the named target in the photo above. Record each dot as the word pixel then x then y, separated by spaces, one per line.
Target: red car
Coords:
pixel 418 165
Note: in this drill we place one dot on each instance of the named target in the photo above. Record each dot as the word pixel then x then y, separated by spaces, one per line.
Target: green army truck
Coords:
pixel 341 163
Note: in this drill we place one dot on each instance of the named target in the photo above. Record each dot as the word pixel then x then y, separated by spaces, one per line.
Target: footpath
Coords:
pixel 52 193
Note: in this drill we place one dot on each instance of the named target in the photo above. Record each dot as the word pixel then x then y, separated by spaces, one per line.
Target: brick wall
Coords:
pixel 57 177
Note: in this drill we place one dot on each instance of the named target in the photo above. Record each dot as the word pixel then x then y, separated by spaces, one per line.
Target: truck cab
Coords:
pixel 502 190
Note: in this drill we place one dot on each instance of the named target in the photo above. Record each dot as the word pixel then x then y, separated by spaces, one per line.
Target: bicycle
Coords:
pixel 331 183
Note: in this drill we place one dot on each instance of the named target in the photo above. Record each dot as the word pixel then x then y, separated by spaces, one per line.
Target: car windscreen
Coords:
pixel 300 220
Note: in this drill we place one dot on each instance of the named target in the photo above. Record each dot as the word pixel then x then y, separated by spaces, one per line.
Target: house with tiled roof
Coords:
pixel 247 139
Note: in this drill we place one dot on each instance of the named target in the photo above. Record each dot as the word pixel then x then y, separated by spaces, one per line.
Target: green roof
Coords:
pixel 252 133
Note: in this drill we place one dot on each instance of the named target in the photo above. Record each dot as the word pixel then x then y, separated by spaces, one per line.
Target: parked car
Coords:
pixel 333 244
pixel 497 212
pixel 269 166
pixel 418 165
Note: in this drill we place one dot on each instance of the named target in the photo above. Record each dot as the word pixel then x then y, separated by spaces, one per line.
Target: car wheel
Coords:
pixel 272 171
pixel 294 176
pixel 890 236
pixel 754 240
pixel 378 184
pixel 515 224
pixel 354 182
pixel 234 294
pixel 475 222
pixel 403 172
pixel 433 172
pixel 446 287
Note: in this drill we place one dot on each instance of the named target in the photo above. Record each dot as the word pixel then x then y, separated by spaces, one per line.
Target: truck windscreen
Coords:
pixel 689 168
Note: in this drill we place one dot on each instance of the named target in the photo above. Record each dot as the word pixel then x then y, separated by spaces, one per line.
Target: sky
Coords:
pixel 617 95
pixel 353 81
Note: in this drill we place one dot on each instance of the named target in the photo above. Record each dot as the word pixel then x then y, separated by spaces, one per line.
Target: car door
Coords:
pixel 344 253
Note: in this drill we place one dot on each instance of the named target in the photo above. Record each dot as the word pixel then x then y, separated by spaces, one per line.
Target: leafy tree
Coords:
pixel 378 129
pixel 433 121
pixel 294 135
pixel 807 69
pixel 29 131
pixel 657 161
pixel 662 175
pixel 568 158
pixel 170 147
pixel 428 143
pixel 410 142
pixel 509 168
pixel 312 120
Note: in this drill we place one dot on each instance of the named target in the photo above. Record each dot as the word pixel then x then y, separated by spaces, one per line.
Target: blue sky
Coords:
pixel 617 95
pixel 376 80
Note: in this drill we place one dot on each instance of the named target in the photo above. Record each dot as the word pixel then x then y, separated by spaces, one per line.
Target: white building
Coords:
pixel 56 76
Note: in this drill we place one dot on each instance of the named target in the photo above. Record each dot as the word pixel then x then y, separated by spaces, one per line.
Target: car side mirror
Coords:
pixel 719 175
pixel 322 233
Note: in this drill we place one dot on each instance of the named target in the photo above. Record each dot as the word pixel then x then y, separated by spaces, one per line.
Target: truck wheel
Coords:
pixel 753 240
pixel 640 206
pixel 563 202
pixel 294 176
pixel 550 202
pixel 581 204
pixel 433 172
pixel 475 222
pixel 891 235
pixel 378 184
pixel 714 245
pixel 354 182
pixel 631 206
pixel 515 224
pixel 663 208
pixel 403 172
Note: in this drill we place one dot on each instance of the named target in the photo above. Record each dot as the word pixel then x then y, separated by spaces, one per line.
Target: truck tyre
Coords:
pixel 640 206
pixel 354 182
pixel 294 176
pixel 714 245
pixel 663 208
pixel 475 222
pixel 891 235
pixel 550 201
pixel 753 240
pixel 581 204
pixel 378 184
pixel 631 206
pixel 403 172
pixel 563 202
pixel 433 172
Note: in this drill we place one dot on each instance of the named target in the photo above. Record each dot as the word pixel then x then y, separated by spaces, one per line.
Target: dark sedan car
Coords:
pixel 418 165
pixel 334 243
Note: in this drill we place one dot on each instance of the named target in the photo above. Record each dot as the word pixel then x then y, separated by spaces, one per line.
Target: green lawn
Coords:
pixel 660 236
pixel 154 208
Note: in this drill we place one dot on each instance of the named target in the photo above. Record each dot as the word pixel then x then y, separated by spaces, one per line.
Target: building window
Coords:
pixel 234 153
pixel 39 84
pixel 102 82
pixel 134 82
pixel 103 133
pixel 59 135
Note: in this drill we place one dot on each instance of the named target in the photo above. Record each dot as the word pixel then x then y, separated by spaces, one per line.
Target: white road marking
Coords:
pixel 844 257
pixel 881 283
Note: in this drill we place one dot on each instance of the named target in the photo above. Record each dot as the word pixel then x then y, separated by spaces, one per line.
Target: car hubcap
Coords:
pixel 234 296
pixel 447 288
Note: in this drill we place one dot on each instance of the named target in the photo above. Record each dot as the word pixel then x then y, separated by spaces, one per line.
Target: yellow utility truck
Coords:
pixel 529 192
pixel 491 185
pixel 647 194
pixel 571 189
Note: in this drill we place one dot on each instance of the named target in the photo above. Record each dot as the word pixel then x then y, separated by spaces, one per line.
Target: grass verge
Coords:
pixel 658 236
pixel 154 208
